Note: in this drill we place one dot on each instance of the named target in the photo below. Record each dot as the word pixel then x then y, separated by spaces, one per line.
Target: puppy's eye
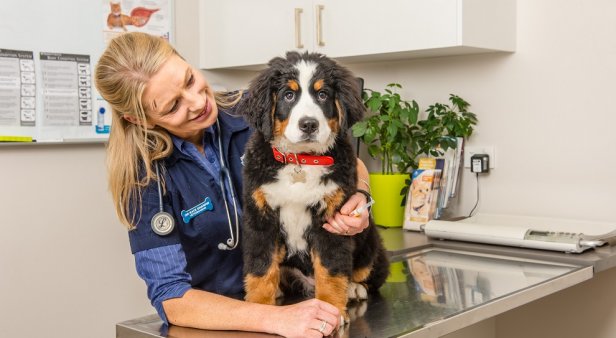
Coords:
pixel 322 96
pixel 289 96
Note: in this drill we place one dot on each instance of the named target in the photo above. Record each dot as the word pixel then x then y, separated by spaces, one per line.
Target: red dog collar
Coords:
pixel 302 158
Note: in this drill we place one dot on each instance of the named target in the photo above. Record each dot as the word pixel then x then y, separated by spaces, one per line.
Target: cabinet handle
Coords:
pixel 320 41
pixel 298 28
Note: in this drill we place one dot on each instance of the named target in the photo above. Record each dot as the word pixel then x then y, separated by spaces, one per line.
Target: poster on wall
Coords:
pixel 147 16
pixel 67 96
pixel 17 94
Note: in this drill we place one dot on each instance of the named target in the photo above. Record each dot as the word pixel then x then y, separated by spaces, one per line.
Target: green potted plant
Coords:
pixel 396 135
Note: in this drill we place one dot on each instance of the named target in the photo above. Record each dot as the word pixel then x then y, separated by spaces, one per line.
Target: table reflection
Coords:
pixel 436 284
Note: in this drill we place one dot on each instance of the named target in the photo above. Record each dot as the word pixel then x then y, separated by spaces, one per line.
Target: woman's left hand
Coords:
pixel 343 224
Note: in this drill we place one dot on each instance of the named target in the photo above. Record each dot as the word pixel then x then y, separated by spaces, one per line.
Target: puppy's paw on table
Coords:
pixel 357 291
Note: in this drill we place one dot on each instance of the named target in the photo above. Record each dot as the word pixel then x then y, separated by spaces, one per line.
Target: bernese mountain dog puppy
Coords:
pixel 299 169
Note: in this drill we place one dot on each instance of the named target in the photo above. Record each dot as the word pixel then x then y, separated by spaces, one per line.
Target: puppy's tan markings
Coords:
pixel 361 274
pixel 280 127
pixel 328 288
pixel 259 197
pixel 273 110
pixel 334 124
pixel 262 289
pixel 318 85
pixel 333 201
pixel 293 85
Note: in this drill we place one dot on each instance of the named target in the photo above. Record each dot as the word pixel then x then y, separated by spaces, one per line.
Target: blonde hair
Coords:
pixel 121 75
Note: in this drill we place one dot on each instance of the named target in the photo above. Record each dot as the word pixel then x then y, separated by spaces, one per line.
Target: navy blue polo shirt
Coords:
pixel 189 256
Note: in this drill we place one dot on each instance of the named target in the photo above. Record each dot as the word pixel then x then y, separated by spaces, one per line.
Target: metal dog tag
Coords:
pixel 298 175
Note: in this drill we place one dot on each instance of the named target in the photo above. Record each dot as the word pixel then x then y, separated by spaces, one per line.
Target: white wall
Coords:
pixel 65 264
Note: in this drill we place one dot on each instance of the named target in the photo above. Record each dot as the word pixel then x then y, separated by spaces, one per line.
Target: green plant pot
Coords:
pixel 385 190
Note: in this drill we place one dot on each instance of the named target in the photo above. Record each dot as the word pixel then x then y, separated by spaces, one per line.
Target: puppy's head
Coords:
pixel 301 103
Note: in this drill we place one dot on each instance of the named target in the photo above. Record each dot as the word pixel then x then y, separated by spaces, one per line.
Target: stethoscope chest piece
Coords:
pixel 162 223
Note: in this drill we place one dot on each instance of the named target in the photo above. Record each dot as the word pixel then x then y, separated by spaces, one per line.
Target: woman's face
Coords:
pixel 179 99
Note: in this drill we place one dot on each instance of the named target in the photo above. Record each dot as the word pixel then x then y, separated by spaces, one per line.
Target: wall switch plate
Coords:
pixel 472 150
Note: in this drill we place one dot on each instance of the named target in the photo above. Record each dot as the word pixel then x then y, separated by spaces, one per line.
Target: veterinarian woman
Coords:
pixel 164 156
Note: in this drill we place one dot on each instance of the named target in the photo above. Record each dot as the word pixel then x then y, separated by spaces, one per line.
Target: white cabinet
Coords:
pixel 246 34
pixel 236 33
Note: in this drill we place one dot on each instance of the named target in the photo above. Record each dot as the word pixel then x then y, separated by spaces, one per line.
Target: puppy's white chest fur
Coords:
pixel 294 198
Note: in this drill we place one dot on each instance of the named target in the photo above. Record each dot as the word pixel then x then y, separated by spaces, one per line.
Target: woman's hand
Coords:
pixel 344 224
pixel 310 318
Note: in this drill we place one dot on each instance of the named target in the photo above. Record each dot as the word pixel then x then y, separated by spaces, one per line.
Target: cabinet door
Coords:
pixel 352 28
pixel 245 33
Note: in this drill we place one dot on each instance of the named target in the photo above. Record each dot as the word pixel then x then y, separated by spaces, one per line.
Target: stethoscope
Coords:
pixel 163 223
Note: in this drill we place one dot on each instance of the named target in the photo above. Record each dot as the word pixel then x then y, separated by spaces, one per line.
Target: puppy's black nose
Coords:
pixel 308 125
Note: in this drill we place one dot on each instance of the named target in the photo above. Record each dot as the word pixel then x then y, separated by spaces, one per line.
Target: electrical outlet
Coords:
pixel 472 150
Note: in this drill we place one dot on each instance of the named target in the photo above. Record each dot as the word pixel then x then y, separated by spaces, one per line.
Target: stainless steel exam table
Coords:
pixel 436 287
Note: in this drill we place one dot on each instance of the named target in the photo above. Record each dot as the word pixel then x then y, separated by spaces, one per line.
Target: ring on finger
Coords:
pixel 323 326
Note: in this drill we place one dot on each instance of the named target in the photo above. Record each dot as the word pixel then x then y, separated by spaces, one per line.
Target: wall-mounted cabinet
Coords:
pixel 248 33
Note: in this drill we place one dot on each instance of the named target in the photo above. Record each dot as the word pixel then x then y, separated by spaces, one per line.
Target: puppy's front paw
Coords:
pixel 357 292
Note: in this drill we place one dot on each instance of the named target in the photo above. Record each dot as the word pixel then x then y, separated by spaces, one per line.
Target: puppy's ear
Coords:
pixel 294 57
pixel 257 107
pixel 260 105
pixel 348 94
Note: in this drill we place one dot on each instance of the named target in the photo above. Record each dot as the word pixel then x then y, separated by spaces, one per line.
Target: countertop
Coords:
pixel 437 287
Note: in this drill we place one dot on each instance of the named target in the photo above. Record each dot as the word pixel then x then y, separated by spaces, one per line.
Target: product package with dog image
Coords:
pixel 421 200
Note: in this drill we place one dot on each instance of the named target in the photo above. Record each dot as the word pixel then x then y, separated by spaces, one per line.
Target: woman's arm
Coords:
pixel 344 224
pixel 363 176
pixel 206 310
